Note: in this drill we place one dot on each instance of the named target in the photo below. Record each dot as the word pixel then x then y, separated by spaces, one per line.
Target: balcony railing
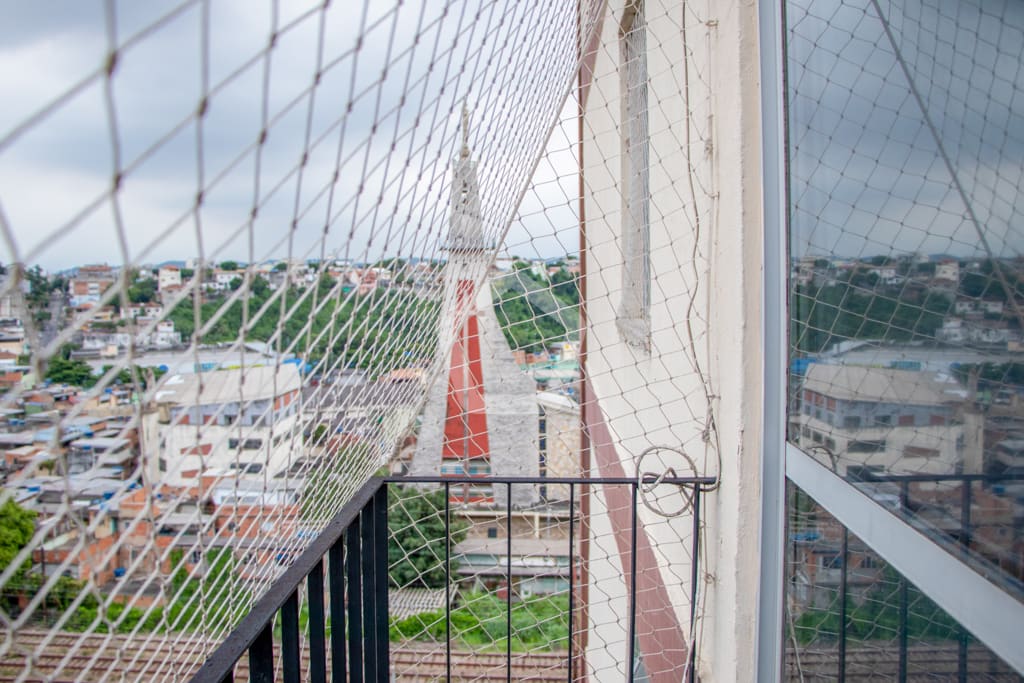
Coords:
pixel 347 631
pixel 956 511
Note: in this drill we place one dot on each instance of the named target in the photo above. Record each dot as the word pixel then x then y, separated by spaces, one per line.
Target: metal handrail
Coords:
pixel 359 531
pixel 220 665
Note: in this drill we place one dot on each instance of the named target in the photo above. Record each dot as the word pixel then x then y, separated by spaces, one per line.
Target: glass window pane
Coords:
pixel 905 132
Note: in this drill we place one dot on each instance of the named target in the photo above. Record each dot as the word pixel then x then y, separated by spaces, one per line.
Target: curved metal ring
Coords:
pixel 646 489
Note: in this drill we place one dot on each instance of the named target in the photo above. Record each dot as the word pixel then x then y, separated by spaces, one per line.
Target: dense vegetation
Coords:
pixel 857 304
pixel 17 525
pixel 391 326
pixel 74 372
pixel 825 315
pixel 538 623
pixel 388 328
pixel 535 312
pixel 416 526
pixel 80 374
pixel 997 373
pixel 383 330
pixel 876 616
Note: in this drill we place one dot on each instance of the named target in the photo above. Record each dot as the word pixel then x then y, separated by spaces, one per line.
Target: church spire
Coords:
pixel 466 230
pixel 465 131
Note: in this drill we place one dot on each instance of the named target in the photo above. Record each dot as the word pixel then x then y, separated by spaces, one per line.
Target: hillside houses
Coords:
pixel 146 333
pixel 978 332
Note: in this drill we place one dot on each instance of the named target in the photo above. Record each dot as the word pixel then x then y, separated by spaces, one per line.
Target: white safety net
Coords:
pixel 255 252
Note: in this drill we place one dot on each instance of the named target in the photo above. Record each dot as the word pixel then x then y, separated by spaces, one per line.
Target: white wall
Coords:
pixel 705 359
pixel 168 441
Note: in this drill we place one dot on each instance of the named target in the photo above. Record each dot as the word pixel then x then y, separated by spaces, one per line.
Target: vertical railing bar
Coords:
pixel 447 583
pixel 261 656
pixel 355 611
pixel 842 604
pixel 508 588
pixel 584 559
pixel 336 576
pixel 290 638
pixel 901 674
pixel 630 661
pixel 965 543
pixel 317 624
pixel 904 597
pixel 694 577
pixel 380 526
pixel 572 569
pixel 366 534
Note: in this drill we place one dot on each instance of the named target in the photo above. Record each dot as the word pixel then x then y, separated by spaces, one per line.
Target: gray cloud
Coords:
pixel 392 105
pixel 867 175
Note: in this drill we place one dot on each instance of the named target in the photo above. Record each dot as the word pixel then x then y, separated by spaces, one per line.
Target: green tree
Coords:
pixel 226 599
pixel 17 525
pixel 146 374
pixel 318 435
pixel 143 291
pixel 826 315
pixel 417 529
pixel 229 265
pixel 564 286
pixel 74 372
pixel 376 333
pixel 539 623
pixel 39 288
pixel 876 616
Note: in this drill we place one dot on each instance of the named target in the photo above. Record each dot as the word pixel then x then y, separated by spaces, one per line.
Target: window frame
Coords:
pixel 977 604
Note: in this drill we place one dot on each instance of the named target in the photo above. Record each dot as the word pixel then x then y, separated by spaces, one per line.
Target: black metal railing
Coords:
pixel 956 537
pixel 355 544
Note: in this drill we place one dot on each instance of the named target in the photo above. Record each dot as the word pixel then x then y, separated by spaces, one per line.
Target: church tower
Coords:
pixel 466 441
pixel 481 414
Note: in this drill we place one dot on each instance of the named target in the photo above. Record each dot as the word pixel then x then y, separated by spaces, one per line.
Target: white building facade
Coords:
pixel 672 246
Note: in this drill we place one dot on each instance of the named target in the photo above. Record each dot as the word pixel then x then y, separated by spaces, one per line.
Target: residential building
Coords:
pixel 964 306
pixel 978 331
pixel 10 308
pixel 89 283
pixel 559 442
pixel 947 272
pixel 881 420
pixel 250 437
pixel 168 278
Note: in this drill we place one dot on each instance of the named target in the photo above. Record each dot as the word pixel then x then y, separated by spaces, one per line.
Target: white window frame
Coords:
pixel 991 616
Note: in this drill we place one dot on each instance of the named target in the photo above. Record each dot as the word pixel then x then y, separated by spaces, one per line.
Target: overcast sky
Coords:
pixel 867 176
pixel 384 117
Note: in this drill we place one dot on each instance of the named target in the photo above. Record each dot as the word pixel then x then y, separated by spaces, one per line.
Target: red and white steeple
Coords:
pixel 481 414
pixel 465 420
